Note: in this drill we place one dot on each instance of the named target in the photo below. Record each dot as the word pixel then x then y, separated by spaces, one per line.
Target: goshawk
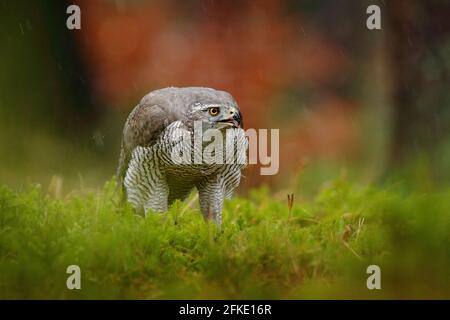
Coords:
pixel 162 129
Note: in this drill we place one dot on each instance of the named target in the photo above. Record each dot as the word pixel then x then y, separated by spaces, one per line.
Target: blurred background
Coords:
pixel 375 102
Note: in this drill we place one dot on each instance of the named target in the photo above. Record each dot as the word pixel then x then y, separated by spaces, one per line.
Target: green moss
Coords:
pixel 322 250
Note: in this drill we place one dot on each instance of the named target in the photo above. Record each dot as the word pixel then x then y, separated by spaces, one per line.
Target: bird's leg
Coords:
pixel 145 183
pixel 211 196
pixel 156 199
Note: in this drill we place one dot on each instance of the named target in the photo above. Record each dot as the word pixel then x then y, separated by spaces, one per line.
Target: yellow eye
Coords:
pixel 214 111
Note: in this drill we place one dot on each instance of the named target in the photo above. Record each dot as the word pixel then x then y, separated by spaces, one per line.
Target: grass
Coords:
pixel 321 249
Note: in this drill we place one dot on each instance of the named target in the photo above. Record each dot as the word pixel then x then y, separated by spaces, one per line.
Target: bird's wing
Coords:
pixel 142 128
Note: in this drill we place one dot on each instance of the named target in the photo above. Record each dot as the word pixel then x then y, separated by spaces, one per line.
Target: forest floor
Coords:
pixel 321 249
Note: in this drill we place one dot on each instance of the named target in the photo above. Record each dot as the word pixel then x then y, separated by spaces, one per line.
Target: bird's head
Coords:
pixel 216 115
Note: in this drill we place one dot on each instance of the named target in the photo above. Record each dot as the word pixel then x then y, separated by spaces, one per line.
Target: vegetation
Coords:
pixel 319 249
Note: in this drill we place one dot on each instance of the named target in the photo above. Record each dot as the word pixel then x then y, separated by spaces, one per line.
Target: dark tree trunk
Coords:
pixel 417 33
pixel 44 79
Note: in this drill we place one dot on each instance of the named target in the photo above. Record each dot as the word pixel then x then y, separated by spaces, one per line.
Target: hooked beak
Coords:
pixel 234 120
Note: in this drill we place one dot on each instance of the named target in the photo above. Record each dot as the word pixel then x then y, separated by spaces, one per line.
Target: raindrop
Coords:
pixel 98 138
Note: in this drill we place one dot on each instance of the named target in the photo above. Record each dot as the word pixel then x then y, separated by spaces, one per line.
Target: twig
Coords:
pixel 290 198
pixel 189 204
pixel 352 251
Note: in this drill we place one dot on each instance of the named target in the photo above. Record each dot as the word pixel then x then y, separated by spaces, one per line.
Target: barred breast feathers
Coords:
pixel 153 180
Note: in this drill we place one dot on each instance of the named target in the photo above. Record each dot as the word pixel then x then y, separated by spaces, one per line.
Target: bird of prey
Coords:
pixel 148 172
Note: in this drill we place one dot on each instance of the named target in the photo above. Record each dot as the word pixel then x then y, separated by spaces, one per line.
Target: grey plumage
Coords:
pixel 147 172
